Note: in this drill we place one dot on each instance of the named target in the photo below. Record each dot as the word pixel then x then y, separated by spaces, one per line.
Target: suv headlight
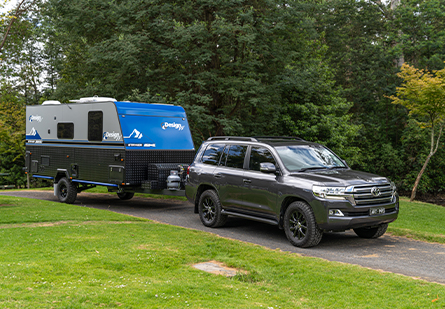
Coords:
pixel 333 193
pixel 393 189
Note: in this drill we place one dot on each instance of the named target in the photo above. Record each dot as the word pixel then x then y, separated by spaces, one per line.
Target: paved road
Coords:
pixel 393 254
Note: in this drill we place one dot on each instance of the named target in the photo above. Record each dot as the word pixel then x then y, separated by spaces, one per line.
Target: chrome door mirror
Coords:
pixel 268 167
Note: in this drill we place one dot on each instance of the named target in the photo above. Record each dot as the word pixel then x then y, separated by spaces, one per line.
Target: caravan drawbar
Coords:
pixel 126 146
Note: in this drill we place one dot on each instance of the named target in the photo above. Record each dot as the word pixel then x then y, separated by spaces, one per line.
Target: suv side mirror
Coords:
pixel 268 167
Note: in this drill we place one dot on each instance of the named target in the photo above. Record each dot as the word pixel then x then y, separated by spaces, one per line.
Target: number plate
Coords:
pixel 376 211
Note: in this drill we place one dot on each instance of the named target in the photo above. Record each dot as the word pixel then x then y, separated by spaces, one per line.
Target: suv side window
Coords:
pixel 235 157
pixel 260 155
pixel 212 153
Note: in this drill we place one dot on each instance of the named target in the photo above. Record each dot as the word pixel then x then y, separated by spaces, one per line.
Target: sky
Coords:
pixel 9 5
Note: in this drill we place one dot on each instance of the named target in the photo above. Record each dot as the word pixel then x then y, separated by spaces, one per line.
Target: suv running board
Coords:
pixel 259 219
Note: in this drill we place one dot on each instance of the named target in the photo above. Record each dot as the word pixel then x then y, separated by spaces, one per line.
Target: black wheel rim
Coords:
pixel 208 209
pixel 63 191
pixel 298 225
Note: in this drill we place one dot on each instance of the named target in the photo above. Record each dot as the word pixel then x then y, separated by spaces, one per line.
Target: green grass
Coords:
pixel 63 256
pixel 420 221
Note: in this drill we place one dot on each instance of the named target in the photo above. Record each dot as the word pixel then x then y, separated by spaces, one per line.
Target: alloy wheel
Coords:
pixel 298 225
pixel 208 209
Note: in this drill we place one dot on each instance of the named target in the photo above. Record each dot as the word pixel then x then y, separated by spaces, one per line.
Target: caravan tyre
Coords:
pixel 67 191
pixel 125 195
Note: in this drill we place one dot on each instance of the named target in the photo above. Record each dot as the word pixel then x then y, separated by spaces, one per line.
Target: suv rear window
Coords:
pixel 212 154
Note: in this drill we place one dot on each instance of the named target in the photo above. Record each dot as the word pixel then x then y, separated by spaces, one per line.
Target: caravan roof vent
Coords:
pixel 94 99
pixel 51 102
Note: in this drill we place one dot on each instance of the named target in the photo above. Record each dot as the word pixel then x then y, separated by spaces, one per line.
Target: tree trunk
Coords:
pixel 413 193
pixel 434 147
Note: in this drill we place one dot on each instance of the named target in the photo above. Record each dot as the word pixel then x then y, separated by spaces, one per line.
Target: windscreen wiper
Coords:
pixel 313 168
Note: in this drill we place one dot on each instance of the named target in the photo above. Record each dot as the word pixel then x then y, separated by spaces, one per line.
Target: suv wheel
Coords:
pixel 125 195
pixel 374 232
pixel 210 209
pixel 67 191
pixel 300 226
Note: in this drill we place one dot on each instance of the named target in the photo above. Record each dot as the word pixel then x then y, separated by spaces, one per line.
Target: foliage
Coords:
pixel 419 32
pixel 424 95
pixel 22 65
pixel 356 35
pixel 12 136
pixel 230 64
pixel 321 70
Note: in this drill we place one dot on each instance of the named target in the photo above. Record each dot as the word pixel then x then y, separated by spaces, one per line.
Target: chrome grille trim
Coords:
pixel 363 196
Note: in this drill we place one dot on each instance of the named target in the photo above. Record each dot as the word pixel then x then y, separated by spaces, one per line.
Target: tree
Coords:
pixel 417 31
pixel 359 53
pixel 12 135
pixel 8 19
pixel 232 64
pixel 423 93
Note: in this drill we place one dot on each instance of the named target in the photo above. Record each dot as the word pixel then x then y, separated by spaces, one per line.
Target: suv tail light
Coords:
pixel 188 170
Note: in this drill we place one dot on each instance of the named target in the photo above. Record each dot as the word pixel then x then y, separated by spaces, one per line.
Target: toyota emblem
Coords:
pixel 375 192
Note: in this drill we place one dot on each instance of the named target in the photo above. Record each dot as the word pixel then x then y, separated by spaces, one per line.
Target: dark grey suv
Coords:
pixel 302 187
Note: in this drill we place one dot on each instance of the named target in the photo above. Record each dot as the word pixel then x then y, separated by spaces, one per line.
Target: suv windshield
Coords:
pixel 299 158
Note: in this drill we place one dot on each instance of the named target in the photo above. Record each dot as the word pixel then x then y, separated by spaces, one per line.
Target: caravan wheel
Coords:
pixel 67 191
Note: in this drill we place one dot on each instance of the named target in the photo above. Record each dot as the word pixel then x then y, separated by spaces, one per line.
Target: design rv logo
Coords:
pixel 33 136
pixel 35 118
pixel 33 132
pixel 174 125
pixel 135 134
pixel 112 135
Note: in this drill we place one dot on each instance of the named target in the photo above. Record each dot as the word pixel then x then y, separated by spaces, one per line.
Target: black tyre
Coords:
pixel 374 232
pixel 210 209
pixel 125 195
pixel 67 191
pixel 300 225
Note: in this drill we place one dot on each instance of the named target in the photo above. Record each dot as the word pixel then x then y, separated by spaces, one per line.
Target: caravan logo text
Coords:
pixel 173 125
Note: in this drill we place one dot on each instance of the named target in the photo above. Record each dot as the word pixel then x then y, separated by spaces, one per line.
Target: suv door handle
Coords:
pixel 218 175
pixel 247 180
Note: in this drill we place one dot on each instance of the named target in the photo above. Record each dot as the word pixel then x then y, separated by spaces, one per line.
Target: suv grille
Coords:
pixel 366 195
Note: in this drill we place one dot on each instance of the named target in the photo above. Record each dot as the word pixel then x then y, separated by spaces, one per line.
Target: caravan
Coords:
pixel 126 146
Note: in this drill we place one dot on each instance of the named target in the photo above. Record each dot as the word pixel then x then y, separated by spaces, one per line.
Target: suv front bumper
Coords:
pixel 357 217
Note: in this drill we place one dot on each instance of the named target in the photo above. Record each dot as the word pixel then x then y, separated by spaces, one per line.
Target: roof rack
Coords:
pixel 232 138
pixel 252 139
pixel 279 137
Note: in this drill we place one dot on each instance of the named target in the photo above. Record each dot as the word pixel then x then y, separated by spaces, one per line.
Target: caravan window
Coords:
pixel 65 130
pixel 95 126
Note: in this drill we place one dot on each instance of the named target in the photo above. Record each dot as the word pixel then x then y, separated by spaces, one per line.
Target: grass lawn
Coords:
pixel 420 221
pixel 63 256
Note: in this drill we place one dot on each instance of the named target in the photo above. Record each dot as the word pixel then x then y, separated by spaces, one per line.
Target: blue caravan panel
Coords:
pixel 147 109
pixel 153 126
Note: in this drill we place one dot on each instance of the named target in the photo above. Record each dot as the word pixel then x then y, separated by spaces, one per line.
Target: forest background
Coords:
pixel 320 70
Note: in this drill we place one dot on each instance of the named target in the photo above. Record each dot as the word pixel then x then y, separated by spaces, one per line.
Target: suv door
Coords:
pixel 261 189
pixel 228 176
pixel 203 170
